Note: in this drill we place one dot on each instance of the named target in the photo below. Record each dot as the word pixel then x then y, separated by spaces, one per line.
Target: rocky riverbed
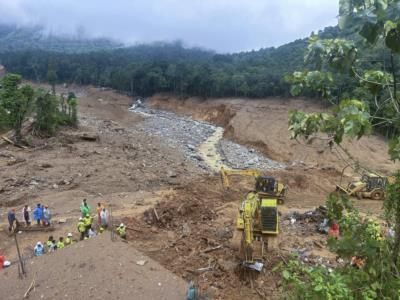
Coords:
pixel 193 138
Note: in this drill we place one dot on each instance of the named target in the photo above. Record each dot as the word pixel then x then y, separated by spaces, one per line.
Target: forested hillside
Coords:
pixel 17 38
pixel 167 67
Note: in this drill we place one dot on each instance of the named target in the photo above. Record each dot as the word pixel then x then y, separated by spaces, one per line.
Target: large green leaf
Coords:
pixel 393 39
pixel 296 89
pixel 371 31
pixel 394 149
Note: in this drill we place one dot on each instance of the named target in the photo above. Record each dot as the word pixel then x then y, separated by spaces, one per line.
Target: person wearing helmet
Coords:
pixel 49 242
pixel 68 240
pixel 121 229
pixel 81 228
pixel 87 220
pixel 60 243
pixel 38 250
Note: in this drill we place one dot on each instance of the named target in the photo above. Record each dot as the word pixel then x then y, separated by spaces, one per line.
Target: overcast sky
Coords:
pixel 222 25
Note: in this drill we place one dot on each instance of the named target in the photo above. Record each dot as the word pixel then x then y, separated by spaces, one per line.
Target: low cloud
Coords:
pixel 222 25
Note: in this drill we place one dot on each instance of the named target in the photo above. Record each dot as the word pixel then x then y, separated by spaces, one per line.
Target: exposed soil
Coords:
pixel 263 123
pixel 313 169
pixel 94 269
pixel 180 218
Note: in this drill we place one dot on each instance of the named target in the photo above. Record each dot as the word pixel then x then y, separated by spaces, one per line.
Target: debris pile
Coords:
pixel 314 217
pixel 191 235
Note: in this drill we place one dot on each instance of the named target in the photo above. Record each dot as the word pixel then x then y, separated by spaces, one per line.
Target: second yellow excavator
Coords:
pixel 258 218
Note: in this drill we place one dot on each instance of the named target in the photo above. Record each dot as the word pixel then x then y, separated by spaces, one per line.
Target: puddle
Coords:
pixel 208 151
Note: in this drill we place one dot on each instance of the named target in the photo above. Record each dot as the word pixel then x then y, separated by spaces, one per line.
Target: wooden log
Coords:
pixel 89 137
pixel 12 143
pixel 156 214
pixel 32 286
pixel 212 249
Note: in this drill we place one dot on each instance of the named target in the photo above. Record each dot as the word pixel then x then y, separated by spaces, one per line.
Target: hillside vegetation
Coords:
pixel 167 67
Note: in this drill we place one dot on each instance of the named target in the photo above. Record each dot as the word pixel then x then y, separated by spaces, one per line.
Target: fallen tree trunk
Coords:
pixel 12 143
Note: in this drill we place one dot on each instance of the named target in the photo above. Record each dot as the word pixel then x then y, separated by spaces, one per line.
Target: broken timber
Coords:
pixel 12 143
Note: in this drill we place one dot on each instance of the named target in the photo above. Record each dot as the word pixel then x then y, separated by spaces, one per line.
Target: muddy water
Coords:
pixel 208 151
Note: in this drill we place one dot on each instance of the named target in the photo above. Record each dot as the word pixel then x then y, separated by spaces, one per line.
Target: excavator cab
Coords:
pixel 374 182
pixel 266 184
pixel 370 185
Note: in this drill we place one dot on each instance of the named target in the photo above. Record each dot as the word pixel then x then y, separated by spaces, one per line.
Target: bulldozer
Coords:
pixel 370 185
pixel 257 222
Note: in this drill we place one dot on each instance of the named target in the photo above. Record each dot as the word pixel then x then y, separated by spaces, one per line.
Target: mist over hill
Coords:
pixel 20 38
pixel 151 68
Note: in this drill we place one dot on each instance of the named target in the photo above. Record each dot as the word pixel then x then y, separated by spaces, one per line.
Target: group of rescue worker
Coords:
pixel 84 226
pixel 41 215
pixel 85 222
pixel 52 245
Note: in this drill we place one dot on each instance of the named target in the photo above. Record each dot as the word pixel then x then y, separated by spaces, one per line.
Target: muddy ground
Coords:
pixel 154 178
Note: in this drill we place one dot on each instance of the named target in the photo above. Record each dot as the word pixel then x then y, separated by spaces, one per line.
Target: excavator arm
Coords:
pixel 226 173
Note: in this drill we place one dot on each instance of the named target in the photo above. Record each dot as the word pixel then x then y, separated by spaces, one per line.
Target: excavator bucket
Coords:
pixel 341 189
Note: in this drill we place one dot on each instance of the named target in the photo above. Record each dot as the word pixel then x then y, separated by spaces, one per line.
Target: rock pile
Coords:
pixel 186 134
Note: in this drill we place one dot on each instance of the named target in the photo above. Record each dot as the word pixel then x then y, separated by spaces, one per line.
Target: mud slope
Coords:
pixel 94 269
pixel 263 123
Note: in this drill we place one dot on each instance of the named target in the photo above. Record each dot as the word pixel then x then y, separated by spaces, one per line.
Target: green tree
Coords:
pixel 72 109
pixel 52 77
pixel 378 22
pixel 16 102
pixel 46 120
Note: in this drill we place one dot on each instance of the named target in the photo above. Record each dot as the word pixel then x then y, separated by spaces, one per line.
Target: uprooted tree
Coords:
pixel 375 104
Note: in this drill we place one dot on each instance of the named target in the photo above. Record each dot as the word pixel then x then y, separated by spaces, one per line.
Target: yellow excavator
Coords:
pixel 258 218
pixel 279 188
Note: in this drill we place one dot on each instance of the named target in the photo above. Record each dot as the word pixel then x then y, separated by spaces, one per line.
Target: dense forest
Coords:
pixel 168 67
pixel 164 67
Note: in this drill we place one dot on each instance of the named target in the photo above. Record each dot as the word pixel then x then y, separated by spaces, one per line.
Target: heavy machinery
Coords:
pixel 279 189
pixel 258 218
pixel 370 185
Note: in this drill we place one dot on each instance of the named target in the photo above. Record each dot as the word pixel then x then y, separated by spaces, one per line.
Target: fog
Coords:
pixel 221 25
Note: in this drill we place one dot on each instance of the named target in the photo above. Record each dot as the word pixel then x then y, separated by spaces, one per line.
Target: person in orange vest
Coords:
pixel 99 208
pixel 334 230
